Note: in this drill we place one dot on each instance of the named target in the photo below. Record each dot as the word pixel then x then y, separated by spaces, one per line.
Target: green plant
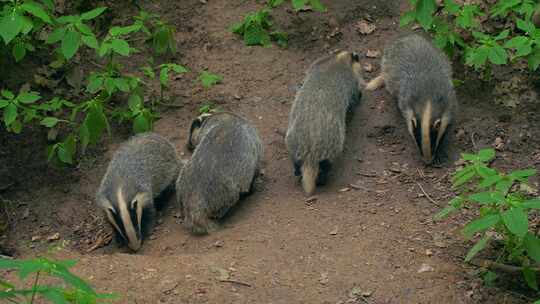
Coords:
pixel 504 208
pixel 208 79
pixel 73 289
pixel 256 30
pixel 257 27
pixel 457 29
pixel 15 107
pixel 18 20
pixel 72 32
pixel 159 32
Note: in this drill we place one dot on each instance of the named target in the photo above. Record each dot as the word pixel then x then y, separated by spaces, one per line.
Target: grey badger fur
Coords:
pixel 140 170
pixel 316 133
pixel 420 76
pixel 225 162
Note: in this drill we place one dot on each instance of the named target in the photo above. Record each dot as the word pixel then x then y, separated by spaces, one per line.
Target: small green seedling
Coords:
pixel 208 79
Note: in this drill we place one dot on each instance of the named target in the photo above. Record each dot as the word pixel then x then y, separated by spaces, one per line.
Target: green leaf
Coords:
pixel 481 244
pixel 18 51
pixel 122 85
pixel 179 69
pixel 523 173
pixel 488 197
pixel 84 29
pixel 532 246
pixel 534 59
pixel 134 102
pixel 298 4
pixel 481 224
pixel 489 181
pixel 463 178
pixel 485 155
pixel 477 57
pixel 64 155
pixel 497 55
pixel 504 185
pixel 10 26
pixel 208 79
pixel 94 84
pixel 531 204
pixel 502 35
pixel 453 205
pixel 16 126
pixel 275 3
pixel 407 18
pixel 516 220
pixel 70 44
pixel 56 35
pixel 110 85
pixel 124 30
pixel 10 114
pixel 93 13
pixel 164 76
pixel 3 103
pixel 424 13
pixel 7 94
pixel 317 5
pixel 120 46
pixel 36 10
pixel 522 44
pixel 90 41
pixel 49 122
pixel 68 19
pixel 95 123
pixel 530 277
pixel 141 124
pixel 451 6
pixel 28 97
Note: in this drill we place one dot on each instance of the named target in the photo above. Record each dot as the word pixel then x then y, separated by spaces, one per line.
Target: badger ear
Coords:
pixel 193 132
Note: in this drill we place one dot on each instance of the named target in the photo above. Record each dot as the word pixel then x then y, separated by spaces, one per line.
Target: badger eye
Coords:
pixel 134 204
pixel 437 124
pixel 355 57
pixel 413 121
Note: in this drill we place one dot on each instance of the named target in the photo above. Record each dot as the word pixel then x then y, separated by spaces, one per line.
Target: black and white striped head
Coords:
pixel 194 131
pixel 130 212
pixel 427 122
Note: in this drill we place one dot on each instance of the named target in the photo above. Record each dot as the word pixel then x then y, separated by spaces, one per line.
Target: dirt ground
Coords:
pixel 369 236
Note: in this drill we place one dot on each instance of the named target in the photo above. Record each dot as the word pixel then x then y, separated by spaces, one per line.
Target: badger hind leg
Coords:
pixel 198 223
pixel 324 171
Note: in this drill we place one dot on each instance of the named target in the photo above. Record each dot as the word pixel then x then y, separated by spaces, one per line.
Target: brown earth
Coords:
pixel 373 242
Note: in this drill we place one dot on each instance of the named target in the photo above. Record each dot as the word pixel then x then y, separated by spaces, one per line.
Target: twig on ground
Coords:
pixel 427 195
pixel 236 282
pixel 500 267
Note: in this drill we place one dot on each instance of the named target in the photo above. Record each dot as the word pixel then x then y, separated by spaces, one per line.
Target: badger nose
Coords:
pixel 135 245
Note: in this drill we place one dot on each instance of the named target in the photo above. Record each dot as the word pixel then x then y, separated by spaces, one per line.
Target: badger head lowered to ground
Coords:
pixel 131 213
pixel 142 170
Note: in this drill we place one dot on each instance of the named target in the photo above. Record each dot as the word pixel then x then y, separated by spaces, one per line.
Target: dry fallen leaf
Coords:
pixel 425 268
pixel 365 28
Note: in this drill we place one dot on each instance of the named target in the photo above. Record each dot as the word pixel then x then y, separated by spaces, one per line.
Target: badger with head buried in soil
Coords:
pixel 142 169
pixel 420 76
pixel 317 122
pixel 225 162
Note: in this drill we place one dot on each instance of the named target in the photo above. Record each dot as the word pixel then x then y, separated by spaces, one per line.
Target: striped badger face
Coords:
pixel 428 124
pixel 195 129
pixel 131 214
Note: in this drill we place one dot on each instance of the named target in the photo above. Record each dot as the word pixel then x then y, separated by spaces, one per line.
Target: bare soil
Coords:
pixel 368 237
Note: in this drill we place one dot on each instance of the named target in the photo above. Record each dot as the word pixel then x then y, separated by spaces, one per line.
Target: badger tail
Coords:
pixel 309 177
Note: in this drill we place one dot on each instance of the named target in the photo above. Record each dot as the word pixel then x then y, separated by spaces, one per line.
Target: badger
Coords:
pixel 316 132
pixel 226 159
pixel 420 77
pixel 142 169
